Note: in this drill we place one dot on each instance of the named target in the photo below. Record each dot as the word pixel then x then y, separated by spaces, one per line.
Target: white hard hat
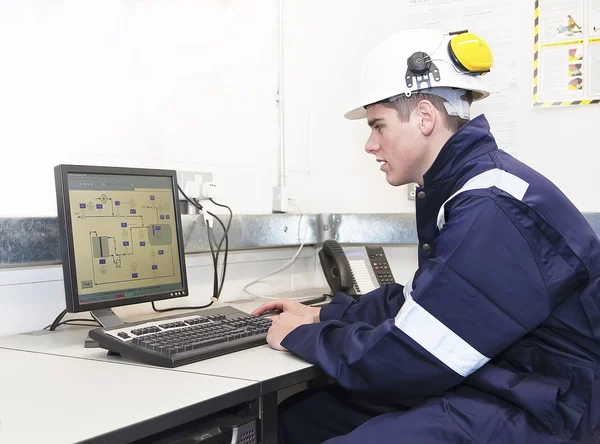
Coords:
pixel 423 60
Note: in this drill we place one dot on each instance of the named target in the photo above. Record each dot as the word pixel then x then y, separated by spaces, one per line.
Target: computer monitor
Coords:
pixel 121 238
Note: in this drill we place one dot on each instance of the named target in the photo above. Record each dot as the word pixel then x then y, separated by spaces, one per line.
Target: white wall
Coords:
pixel 176 84
pixel 191 85
pixel 560 143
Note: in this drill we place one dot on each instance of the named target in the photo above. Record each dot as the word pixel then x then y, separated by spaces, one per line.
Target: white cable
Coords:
pixel 288 264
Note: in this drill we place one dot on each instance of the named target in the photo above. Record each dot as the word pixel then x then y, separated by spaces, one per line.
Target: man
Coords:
pixel 572 24
pixel 496 339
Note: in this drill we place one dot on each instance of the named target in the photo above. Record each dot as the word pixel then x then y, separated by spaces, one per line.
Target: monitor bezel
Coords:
pixel 66 235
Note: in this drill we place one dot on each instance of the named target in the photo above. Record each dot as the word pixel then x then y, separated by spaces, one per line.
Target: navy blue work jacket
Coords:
pixel 505 301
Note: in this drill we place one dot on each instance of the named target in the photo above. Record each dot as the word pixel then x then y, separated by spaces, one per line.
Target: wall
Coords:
pixel 191 85
pixel 183 85
pixel 560 143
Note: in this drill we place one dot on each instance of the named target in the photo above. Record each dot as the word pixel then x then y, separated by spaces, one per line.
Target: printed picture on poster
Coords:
pixel 575 70
pixel 576 84
pixel 570 28
pixel 575 54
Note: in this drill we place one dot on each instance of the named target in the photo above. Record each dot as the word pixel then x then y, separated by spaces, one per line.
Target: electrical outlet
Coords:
pixel 412 191
pixel 184 177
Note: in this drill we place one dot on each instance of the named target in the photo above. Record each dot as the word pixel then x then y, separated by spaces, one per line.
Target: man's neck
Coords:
pixel 435 144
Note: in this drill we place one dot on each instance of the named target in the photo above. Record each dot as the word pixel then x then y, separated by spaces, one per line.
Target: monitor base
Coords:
pixel 106 318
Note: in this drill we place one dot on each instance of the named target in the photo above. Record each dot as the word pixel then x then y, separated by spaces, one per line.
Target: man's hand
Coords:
pixel 282 325
pixel 290 307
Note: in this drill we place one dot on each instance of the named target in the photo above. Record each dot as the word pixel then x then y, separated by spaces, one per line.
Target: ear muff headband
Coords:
pixel 470 53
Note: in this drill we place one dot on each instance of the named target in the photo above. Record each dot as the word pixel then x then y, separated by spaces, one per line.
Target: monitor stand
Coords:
pixel 107 318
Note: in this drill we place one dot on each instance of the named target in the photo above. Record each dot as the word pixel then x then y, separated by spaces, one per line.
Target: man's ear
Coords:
pixel 427 117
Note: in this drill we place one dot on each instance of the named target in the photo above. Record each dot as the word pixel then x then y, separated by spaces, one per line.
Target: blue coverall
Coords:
pixel 498 332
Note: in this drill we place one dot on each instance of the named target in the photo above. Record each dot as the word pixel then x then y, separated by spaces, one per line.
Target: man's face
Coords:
pixel 398 146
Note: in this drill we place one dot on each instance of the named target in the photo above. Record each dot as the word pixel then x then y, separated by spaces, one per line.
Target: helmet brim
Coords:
pixel 356 113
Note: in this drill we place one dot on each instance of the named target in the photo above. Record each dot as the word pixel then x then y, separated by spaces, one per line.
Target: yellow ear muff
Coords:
pixel 471 53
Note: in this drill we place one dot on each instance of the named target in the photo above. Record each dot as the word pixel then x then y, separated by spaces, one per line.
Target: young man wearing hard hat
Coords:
pixel 496 339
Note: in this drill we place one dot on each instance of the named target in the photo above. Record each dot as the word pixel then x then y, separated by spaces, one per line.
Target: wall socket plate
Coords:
pixel 412 191
pixel 185 176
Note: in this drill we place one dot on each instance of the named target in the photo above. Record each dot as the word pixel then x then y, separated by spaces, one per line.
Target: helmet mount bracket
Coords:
pixel 420 69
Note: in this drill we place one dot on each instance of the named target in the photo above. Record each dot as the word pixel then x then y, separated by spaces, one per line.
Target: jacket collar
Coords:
pixel 471 141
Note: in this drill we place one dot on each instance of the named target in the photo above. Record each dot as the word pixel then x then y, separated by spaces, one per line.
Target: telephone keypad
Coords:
pixel 380 265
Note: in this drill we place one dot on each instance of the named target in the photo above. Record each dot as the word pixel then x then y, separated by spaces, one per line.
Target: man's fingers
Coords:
pixel 268 306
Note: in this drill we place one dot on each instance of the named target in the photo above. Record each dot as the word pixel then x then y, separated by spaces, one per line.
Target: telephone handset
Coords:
pixel 354 270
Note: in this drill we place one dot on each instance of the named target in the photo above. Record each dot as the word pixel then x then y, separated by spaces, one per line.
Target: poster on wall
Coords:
pixel 567 53
pixel 488 20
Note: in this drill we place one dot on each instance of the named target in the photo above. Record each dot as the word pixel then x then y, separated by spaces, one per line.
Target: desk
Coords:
pixel 271 370
pixel 54 399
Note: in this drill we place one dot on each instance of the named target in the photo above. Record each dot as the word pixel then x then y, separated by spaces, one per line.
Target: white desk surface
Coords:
pixel 259 364
pixel 53 399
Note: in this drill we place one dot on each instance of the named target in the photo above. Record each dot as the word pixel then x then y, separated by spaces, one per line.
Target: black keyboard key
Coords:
pixel 172 325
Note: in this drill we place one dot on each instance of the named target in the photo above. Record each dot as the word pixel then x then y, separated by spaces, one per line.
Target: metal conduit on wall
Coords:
pixel 35 241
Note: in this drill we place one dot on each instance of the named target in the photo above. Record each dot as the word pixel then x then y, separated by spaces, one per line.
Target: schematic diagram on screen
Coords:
pixel 129 237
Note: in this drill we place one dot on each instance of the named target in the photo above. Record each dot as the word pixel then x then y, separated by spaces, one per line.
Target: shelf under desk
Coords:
pixel 56 399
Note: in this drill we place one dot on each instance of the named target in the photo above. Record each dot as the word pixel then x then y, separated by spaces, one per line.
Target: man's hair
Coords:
pixel 406 105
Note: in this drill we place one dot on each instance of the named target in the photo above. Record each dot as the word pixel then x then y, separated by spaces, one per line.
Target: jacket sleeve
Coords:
pixel 372 308
pixel 481 292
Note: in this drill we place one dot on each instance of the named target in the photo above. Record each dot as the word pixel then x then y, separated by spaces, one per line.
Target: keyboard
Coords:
pixel 182 339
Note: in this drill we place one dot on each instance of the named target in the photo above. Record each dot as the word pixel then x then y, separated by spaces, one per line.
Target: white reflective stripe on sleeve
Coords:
pixel 408 289
pixel 509 183
pixel 423 328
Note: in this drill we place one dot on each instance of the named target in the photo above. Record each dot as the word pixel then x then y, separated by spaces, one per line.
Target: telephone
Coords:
pixel 354 270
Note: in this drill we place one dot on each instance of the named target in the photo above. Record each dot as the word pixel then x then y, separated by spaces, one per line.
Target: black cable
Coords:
pixel 87 324
pixel 217 288
pixel 197 205
pixel 75 322
pixel 217 261
pixel 226 237
pixel 215 258
pixel 57 320
pixel 164 310
pixel 224 206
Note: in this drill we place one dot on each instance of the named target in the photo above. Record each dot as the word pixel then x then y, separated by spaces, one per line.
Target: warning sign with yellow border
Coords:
pixel 566 68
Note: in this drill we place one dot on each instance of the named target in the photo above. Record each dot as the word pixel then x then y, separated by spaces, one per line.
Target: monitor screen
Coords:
pixel 121 236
